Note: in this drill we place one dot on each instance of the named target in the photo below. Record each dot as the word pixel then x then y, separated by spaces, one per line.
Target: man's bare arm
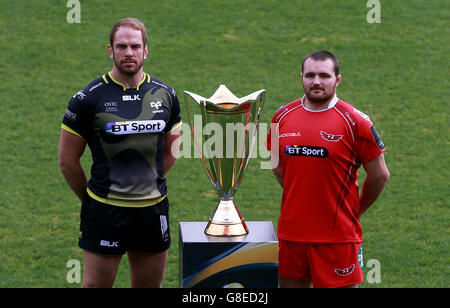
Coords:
pixel 377 177
pixel 71 148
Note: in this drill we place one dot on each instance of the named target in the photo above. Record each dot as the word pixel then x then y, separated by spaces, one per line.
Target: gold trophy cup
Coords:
pixel 235 122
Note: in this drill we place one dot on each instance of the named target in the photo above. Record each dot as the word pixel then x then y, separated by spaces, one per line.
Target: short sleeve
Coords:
pixel 369 144
pixel 175 113
pixel 77 117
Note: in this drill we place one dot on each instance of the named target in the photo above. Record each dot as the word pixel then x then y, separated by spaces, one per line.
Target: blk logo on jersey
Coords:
pixel 330 137
pixel 128 98
pixel 305 150
pixel 135 127
pixel 109 244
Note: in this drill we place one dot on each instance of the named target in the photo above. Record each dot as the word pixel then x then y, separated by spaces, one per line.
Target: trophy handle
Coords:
pixel 190 98
pixel 256 112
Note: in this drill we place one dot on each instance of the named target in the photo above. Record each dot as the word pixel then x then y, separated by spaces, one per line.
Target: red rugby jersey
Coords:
pixel 320 153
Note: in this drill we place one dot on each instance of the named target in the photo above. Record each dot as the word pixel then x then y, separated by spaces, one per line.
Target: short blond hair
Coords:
pixel 129 22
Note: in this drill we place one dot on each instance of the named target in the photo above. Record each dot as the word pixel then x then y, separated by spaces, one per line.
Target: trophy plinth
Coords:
pixel 249 261
pixel 230 123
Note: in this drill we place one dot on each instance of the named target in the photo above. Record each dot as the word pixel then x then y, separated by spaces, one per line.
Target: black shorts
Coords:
pixel 112 230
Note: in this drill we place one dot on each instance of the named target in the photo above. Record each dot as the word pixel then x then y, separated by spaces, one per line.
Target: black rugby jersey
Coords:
pixel 125 130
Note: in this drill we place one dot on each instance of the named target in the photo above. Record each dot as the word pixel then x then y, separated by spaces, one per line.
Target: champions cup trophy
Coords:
pixel 225 165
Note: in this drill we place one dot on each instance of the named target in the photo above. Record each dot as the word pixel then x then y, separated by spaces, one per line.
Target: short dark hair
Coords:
pixel 322 55
pixel 128 22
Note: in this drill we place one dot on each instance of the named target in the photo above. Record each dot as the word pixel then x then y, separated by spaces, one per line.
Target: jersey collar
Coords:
pixel 111 78
pixel 331 104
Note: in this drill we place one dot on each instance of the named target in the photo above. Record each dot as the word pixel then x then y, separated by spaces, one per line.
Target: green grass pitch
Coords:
pixel 396 71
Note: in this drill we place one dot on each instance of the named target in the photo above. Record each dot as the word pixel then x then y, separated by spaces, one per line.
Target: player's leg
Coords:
pixel 290 283
pixel 293 267
pixel 101 242
pixel 99 271
pixel 353 286
pixel 147 269
pixel 335 265
pixel 148 245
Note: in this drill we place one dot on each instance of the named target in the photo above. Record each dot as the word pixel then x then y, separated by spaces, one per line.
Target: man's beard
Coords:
pixel 127 72
pixel 319 99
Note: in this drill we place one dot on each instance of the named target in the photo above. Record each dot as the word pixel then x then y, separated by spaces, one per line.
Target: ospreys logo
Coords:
pixel 156 107
pixel 134 127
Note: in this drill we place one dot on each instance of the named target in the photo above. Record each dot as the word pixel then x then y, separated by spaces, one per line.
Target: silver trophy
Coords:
pixel 226 154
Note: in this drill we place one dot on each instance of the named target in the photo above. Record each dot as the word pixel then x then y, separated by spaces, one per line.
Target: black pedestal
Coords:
pixel 249 261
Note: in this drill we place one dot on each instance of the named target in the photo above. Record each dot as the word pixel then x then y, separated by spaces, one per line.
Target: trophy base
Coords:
pixel 226 221
pixel 214 229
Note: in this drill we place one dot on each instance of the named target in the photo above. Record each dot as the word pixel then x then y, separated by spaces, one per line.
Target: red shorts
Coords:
pixel 326 265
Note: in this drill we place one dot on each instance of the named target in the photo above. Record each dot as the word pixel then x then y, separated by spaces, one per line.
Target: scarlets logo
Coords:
pixel 330 137
pixel 345 271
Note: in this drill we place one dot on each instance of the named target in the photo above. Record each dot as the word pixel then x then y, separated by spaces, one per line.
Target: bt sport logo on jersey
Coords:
pixel 134 127
pixel 305 150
